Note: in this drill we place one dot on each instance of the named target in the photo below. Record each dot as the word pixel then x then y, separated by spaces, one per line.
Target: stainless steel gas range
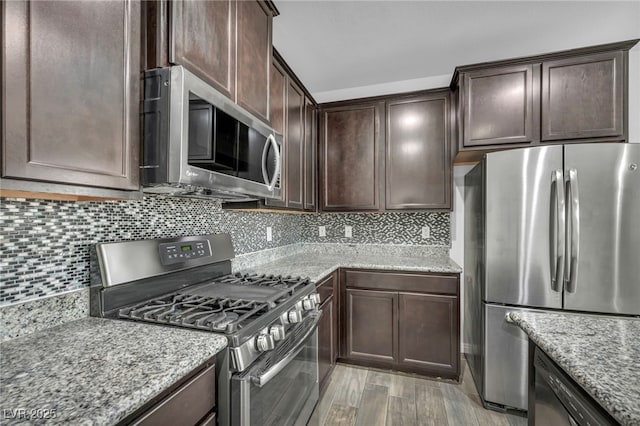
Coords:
pixel 270 375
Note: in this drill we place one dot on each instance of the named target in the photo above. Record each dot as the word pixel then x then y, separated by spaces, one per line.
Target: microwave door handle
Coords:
pixel 276 174
pixel 265 377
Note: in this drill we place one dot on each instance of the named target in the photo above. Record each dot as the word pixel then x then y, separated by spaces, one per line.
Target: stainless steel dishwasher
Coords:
pixel 560 401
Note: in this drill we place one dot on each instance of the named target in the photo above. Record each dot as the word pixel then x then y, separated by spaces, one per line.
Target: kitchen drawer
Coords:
pixel 422 283
pixel 325 287
pixel 188 405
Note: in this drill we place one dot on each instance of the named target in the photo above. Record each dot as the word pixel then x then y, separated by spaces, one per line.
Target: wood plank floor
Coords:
pixel 368 397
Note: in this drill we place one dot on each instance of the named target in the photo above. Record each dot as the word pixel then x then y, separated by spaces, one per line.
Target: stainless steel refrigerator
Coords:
pixel 546 228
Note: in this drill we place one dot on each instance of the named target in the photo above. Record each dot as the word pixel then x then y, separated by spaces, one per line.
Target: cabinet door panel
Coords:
pixel 350 151
pixel 295 149
pixel 371 325
pixel 428 331
pixel 203 40
pixel 582 97
pixel 71 76
pixel 277 97
pixel 418 169
pixel 254 57
pixel 326 339
pixel 278 102
pixel 310 157
pixel 498 106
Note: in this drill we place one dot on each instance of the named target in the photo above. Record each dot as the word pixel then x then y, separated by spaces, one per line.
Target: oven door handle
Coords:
pixel 264 378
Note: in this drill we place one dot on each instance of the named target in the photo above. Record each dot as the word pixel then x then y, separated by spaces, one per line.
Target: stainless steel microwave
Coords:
pixel 198 143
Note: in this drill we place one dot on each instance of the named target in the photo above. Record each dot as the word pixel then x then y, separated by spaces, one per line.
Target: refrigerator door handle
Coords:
pixel 573 231
pixel 557 231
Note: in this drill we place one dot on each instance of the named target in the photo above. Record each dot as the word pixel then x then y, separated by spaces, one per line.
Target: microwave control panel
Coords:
pixel 183 251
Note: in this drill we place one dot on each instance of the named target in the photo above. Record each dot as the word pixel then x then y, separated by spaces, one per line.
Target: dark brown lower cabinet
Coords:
pixel 191 402
pixel 371 331
pixel 402 320
pixel 428 332
pixel 326 340
pixel 327 328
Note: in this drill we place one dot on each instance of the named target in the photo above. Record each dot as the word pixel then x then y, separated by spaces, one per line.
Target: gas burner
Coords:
pixel 226 304
pixel 204 313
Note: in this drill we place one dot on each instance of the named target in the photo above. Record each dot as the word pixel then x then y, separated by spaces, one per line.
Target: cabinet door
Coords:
pixel 350 137
pixel 582 97
pixel 278 102
pixel 71 81
pixel 310 157
pixel 418 166
pixel 498 106
pixel 371 325
pixel 254 57
pixel 278 92
pixel 295 150
pixel 203 40
pixel 428 332
pixel 327 350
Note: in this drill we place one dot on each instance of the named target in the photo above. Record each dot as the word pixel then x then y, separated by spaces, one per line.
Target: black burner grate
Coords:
pixel 223 305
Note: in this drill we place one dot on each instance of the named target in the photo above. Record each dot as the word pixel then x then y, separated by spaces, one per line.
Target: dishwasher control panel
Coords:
pixel 182 251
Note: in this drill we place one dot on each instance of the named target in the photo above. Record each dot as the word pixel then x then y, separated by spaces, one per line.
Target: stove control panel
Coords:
pixel 179 252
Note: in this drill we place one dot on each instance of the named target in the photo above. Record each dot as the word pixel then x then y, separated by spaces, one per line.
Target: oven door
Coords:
pixel 280 388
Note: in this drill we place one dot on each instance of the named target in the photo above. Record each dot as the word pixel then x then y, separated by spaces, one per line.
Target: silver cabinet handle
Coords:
pixel 264 378
pixel 557 230
pixel 271 140
pixel 573 232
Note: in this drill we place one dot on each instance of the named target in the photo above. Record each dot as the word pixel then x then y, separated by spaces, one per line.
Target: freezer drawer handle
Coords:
pixel 556 230
pixel 573 231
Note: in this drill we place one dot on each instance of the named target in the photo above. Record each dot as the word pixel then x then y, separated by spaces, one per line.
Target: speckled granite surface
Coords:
pixel 97 371
pixel 28 317
pixel 247 260
pixel 602 354
pixel 317 265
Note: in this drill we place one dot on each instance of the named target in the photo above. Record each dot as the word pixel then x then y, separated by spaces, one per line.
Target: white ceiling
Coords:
pixel 346 49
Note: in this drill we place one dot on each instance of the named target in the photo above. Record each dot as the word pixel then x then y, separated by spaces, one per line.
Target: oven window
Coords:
pixel 281 400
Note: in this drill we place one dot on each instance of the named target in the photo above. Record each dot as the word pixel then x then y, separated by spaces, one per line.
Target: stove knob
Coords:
pixel 264 342
pixel 308 304
pixel 294 316
pixel 315 297
pixel 277 332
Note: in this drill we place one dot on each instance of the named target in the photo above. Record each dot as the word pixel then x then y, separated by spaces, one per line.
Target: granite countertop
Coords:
pixel 602 354
pixel 316 266
pixel 97 371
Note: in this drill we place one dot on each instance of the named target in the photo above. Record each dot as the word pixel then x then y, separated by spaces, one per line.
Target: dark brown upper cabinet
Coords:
pixel 351 156
pixel 293 112
pixel 583 97
pixel 254 57
pixel 227 43
pixel 295 146
pixel 418 152
pixel 70 87
pixel 310 156
pixel 387 153
pixel 203 40
pixel 278 93
pixel 498 106
pixel 573 96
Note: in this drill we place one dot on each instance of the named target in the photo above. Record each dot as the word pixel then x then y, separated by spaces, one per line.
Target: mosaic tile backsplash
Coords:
pixel 45 244
pixel 379 228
